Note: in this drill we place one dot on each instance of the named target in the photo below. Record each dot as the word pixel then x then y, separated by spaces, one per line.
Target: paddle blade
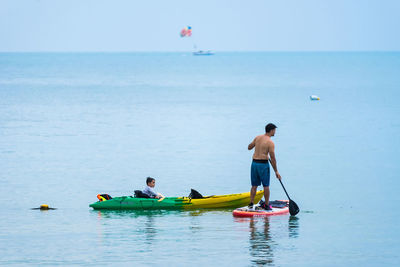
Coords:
pixel 293 208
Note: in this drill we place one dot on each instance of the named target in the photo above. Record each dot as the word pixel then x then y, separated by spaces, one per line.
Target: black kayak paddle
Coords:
pixel 293 208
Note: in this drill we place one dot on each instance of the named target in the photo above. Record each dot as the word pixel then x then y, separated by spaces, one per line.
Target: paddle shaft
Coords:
pixel 280 180
pixel 284 189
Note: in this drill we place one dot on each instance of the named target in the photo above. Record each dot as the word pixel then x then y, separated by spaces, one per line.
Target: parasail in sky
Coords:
pixel 186 32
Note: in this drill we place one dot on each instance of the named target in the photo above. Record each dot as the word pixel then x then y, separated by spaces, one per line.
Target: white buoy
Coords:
pixel 314 97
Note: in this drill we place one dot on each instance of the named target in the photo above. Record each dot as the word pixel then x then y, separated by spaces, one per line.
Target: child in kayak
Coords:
pixel 149 190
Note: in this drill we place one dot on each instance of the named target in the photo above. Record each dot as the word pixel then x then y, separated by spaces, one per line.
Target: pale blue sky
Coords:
pixel 252 25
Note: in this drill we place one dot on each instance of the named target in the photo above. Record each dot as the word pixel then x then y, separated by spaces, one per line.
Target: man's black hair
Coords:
pixel 149 180
pixel 269 127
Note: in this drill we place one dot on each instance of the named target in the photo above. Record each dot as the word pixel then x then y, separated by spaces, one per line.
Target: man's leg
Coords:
pixel 266 195
pixel 253 191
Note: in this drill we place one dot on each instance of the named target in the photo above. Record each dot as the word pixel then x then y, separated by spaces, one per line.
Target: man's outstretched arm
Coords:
pixel 273 161
pixel 252 145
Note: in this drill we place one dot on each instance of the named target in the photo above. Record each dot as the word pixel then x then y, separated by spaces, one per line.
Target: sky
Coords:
pixel 218 25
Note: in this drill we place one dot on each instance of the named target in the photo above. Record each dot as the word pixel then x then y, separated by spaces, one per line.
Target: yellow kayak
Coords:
pixel 221 201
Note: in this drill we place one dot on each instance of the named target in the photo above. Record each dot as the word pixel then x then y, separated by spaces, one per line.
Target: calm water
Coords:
pixel 75 125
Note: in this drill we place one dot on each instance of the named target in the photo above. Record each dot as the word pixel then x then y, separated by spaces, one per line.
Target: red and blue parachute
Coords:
pixel 186 32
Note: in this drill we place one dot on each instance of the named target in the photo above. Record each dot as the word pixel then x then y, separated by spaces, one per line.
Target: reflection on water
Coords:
pixel 201 212
pixel 147 222
pixel 115 214
pixel 150 229
pixel 261 243
pixel 263 232
pixel 264 235
pixel 143 228
pixel 293 227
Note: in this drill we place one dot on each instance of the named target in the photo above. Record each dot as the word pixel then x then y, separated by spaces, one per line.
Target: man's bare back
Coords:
pixel 265 149
pixel 263 146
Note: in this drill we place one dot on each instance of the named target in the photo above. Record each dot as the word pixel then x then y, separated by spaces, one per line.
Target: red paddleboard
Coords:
pixel 279 207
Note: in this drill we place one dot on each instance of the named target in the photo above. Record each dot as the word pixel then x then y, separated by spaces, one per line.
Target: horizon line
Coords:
pixel 185 51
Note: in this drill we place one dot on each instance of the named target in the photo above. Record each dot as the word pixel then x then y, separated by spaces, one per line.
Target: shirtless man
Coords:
pixel 264 149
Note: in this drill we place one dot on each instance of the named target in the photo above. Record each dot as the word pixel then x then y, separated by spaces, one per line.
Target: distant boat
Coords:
pixel 203 53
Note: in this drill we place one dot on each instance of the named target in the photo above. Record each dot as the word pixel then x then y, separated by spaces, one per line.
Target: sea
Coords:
pixel 74 125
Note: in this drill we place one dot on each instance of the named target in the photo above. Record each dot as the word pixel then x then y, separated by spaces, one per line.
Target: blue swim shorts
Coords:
pixel 259 173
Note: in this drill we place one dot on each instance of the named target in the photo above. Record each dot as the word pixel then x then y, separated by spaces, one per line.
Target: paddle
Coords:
pixel 293 208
